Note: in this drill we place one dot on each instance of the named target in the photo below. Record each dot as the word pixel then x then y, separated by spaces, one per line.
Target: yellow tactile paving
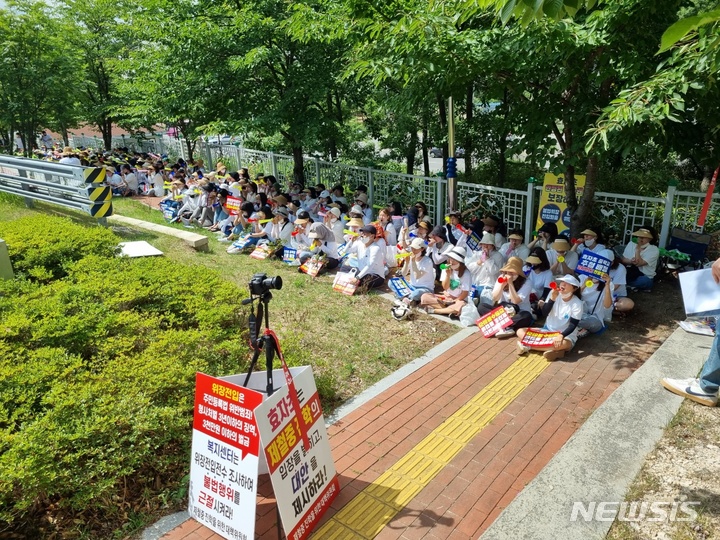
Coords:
pixel 373 508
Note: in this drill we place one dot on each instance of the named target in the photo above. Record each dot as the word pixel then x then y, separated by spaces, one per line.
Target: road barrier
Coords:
pixel 81 188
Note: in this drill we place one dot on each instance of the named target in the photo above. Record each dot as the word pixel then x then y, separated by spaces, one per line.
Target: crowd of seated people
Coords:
pixel 448 262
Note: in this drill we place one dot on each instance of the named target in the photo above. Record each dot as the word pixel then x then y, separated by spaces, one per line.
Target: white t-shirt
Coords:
pixel 70 160
pixel 439 254
pixel 485 275
pixel 458 284
pixel 593 303
pixel 422 273
pixel 507 251
pixel 649 254
pixel 523 293
pixel 571 260
pixel 619 280
pixel 597 248
pixel 159 184
pixel 371 259
pixel 131 181
pixel 559 317
pixel 540 281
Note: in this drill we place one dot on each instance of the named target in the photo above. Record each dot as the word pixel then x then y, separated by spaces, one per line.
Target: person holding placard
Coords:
pixel 704 389
pixel 419 271
pixel 562 260
pixel 563 311
pixel 512 291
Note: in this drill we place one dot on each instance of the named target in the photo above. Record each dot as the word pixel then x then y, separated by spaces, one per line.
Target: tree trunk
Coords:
pixel 105 126
pixel 410 152
pixel 332 143
pixel 707 178
pixel 582 212
pixel 298 165
pixel 190 148
pixel 425 156
pixel 469 109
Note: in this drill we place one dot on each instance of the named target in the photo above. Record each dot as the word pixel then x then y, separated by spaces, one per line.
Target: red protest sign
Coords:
pixel 491 323
pixel 537 338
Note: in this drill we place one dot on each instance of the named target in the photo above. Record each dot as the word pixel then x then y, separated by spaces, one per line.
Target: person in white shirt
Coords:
pixel 562 260
pixel 130 180
pixel 438 247
pixel 456 283
pixel 69 157
pixel 371 259
pixel 641 260
pixel 515 247
pixel 597 304
pixel 454 230
pixel 338 194
pixel 512 290
pixel 618 274
pixel 540 275
pixel 491 224
pixel 323 242
pixel 420 271
pixel 484 265
pixel 385 221
pixel 362 200
pixel 19 146
pixel 589 242
pixel 563 311
pixel 334 223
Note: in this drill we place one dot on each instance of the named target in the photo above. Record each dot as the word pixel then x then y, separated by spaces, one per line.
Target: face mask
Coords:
pixel 367 240
pixel 455 266
pixel 590 242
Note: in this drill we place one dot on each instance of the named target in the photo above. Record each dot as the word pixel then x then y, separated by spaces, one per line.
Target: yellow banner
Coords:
pixel 553 208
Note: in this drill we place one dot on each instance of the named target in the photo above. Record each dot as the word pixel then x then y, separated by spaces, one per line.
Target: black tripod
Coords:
pixel 267 341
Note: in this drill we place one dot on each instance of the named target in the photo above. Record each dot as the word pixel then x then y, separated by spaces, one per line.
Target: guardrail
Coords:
pixel 75 187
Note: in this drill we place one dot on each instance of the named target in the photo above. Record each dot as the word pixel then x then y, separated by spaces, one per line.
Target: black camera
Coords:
pixel 261 284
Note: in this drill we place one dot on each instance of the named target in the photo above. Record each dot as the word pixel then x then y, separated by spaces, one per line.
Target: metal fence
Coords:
pixel 66 185
pixel 518 208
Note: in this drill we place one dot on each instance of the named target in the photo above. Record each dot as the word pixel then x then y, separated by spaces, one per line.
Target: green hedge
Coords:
pixel 98 357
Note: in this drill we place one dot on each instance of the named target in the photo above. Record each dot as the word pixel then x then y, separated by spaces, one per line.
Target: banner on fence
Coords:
pixel 553 208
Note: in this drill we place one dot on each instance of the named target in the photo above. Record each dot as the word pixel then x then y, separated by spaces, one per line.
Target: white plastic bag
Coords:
pixel 469 314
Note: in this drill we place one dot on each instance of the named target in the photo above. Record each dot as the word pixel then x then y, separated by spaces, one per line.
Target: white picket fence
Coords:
pixel 518 208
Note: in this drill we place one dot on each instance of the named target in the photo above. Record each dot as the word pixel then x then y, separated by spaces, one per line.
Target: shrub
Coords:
pixel 97 374
pixel 41 247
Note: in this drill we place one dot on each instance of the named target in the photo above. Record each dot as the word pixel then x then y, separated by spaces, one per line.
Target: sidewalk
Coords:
pixel 500 417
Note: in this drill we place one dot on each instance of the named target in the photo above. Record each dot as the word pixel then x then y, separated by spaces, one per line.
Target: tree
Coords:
pixel 97 34
pixel 37 69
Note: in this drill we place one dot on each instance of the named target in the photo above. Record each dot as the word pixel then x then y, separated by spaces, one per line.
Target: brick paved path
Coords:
pixel 468 493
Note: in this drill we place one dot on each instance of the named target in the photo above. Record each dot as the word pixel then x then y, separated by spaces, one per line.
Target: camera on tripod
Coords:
pixel 260 284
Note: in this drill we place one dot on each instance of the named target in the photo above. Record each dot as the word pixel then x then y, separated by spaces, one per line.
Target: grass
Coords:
pixel 351 342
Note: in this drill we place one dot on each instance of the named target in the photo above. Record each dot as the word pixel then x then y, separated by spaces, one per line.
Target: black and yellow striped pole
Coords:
pixel 100 195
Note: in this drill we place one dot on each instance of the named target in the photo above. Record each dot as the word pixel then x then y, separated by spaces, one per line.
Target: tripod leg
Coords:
pixel 253 362
pixel 269 356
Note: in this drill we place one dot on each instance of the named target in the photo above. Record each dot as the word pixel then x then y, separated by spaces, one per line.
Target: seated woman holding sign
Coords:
pixel 419 272
pixel 563 311
pixel 562 260
pixel 323 246
pixel 371 258
pixel 456 283
pixel 512 291
pixel 597 304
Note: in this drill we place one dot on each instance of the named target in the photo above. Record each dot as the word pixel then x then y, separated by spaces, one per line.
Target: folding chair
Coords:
pixel 685 251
